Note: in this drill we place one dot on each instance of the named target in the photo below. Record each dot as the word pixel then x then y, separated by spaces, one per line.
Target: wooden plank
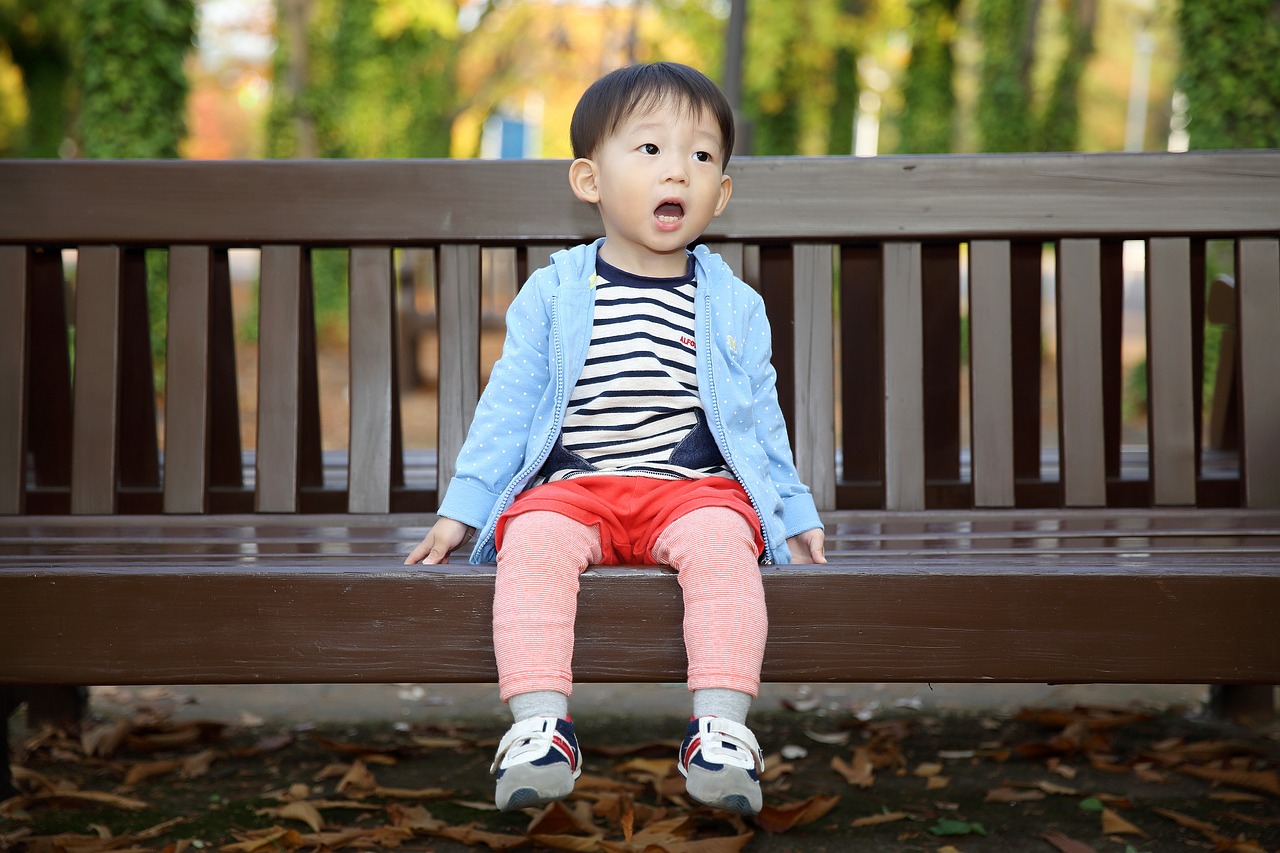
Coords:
pixel 138 465
pixel 862 364
pixel 1080 404
pixel 776 269
pixel 49 364
pixel 226 465
pixel 825 198
pixel 372 350
pixel 732 254
pixel 95 430
pixel 366 621
pixel 940 271
pixel 814 430
pixel 458 315
pixel 1258 268
pixel 279 344
pixel 991 372
pixel 186 431
pixel 903 377
pixel 1170 408
pixel 13 379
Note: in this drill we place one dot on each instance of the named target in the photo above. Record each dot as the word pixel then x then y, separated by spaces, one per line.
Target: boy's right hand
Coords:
pixel 446 535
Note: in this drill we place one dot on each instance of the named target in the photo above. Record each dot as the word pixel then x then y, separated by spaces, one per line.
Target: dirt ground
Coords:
pixel 1079 780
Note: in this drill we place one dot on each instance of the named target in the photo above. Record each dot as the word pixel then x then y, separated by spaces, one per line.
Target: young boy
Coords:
pixel 633 418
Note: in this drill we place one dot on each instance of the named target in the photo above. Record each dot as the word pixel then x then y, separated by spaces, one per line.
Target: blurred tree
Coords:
pixel 799 84
pixel 1007 30
pixel 133 80
pixel 928 90
pixel 1230 72
pixel 1059 125
pixel 40 35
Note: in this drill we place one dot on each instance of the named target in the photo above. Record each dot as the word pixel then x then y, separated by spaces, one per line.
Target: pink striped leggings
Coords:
pixel 714 552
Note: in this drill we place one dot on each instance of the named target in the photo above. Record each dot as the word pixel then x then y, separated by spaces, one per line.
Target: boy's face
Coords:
pixel 658 181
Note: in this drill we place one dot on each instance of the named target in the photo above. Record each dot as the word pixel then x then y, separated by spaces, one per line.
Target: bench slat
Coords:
pixel 13 379
pixel 279 368
pixel 887 622
pixel 187 381
pixel 1258 265
pixel 1171 409
pixel 371 352
pixel 1080 402
pixel 813 430
pixel 458 315
pixel 940 309
pixel 903 377
pixel 991 368
pixel 96 385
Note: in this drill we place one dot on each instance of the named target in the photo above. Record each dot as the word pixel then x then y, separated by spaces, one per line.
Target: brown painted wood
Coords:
pixel 1111 293
pixel 49 364
pixel 187 381
pixel 904 432
pixel 776 283
pixel 95 429
pixel 279 366
pixel 1170 410
pixel 1026 305
pixel 13 379
pixel 1080 398
pixel 372 349
pixel 138 447
pixel 814 427
pixel 458 313
pixel 827 198
pixel 862 367
pixel 991 373
pixel 1258 267
pixel 940 283
pixel 226 467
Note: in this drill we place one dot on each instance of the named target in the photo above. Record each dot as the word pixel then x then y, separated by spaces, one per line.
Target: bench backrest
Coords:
pixel 906 294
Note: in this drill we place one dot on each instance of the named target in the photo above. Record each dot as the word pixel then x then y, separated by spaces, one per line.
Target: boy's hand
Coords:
pixel 807 547
pixel 439 542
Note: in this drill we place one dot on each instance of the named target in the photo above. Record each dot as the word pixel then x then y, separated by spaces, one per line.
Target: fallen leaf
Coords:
pixel 143 771
pixel 860 773
pixel 1113 824
pixel 949 826
pixel 299 811
pixel 877 819
pixel 1013 795
pixel 358 780
pixel 934 783
pixel 559 818
pixel 787 817
pixel 412 793
pixel 927 769
pixel 1266 781
pixel 1067 845
pixel 1052 788
pixel 572 843
pixel 195 766
pixel 1186 820
pixel 1235 797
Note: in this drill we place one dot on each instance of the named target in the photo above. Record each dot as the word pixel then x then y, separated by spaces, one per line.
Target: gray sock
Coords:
pixel 539 703
pixel 732 705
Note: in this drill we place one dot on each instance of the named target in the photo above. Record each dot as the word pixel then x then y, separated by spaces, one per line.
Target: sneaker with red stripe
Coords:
pixel 721 762
pixel 537 762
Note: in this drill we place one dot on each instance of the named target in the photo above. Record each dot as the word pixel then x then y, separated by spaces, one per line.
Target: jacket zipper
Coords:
pixel 507 496
pixel 721 435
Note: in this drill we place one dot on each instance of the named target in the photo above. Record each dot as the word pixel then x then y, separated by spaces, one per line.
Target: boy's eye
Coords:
pixel 649 148
pixel 703 156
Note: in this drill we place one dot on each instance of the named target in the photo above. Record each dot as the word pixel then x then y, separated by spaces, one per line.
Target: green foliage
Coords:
pixel 1230 72
pixel 1006 29
pixel 133 79
pixel 1059 123
pixel 798 75
pixel 40 35
pixel 927 120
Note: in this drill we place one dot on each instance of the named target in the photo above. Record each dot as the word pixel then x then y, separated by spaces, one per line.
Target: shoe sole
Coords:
pixel 710 791
pixel 534 787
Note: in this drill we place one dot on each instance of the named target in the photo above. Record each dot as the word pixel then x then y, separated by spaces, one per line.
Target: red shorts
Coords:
pixel 631 512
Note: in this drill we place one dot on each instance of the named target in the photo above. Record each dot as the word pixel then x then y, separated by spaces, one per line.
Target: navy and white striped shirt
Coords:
pixel 635 409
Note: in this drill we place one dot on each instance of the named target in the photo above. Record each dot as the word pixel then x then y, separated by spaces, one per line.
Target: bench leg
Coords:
pixel 8 703
pixel 1248 704
pixel 58 705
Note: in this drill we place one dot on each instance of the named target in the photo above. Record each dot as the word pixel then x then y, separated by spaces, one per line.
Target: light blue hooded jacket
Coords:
pixel 549 328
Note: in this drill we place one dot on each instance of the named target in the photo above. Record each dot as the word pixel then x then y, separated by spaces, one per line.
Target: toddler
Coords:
pixel 633 419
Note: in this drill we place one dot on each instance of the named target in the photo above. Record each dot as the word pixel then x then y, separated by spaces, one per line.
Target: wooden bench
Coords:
pixel 986 521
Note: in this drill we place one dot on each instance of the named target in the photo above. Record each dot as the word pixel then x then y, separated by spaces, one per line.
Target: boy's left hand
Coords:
pixel 808 547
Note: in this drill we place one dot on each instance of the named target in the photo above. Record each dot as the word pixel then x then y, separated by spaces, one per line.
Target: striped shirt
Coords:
pixel 635 409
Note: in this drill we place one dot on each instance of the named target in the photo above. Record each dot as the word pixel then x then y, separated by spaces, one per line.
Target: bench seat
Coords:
pixel 1121 596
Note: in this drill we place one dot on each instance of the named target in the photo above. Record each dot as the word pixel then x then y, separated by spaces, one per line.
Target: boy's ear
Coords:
pixel 582 179
pixel 726 190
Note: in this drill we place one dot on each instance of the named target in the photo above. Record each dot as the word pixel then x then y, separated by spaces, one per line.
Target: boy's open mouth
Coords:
pixel 669 212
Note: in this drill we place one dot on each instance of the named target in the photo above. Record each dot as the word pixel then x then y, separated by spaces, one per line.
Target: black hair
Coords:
pixel 626 91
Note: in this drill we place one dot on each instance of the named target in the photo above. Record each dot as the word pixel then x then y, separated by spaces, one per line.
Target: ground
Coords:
pixel 1078 780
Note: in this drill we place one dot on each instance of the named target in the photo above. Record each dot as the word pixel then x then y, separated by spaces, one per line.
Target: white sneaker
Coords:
pixel 721 762
pixel 537 762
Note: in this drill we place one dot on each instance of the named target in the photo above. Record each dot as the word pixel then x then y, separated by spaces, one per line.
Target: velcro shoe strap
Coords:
pixel 736 734
pixel 526 737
